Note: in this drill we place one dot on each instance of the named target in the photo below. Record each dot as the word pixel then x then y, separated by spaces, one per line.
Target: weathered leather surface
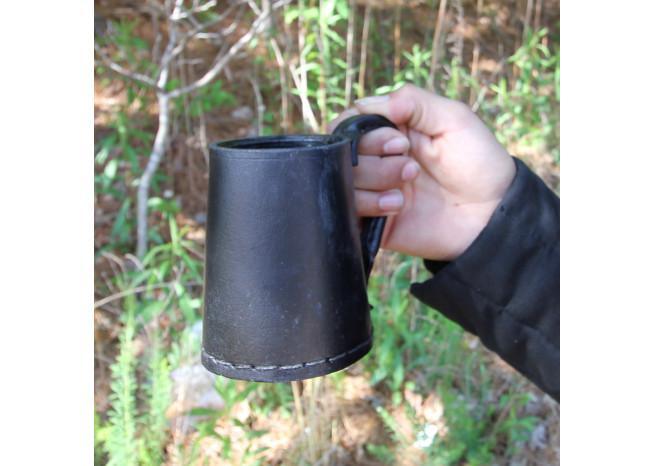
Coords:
pixel 285 283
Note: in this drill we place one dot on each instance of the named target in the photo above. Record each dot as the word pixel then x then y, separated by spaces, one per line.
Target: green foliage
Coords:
pixel 417 71
pixel 117 159
pixel 129 47
pixel 121 444
pixel 523 108
pixel 412 338
pixel 157 389
pixel 381 452
pixel 527 112
pixel 99 439
pixel 391 425
pixel 205 100
pixel 137 432
pixel 270 397
pixel 396 324
pixel 415 347
pixel 323 51
pixel 130 438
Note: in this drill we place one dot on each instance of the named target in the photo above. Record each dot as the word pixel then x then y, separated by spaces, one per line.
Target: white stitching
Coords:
pixel 316 362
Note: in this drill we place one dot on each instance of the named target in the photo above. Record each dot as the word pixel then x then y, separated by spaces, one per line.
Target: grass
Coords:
pixel 417 353
pixel 426 394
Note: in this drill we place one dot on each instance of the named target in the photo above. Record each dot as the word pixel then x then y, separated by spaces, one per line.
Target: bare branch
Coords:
pixel 281 62
pixel 122 294
pixel 233 50
pixel 158 150
pixel 252 4
pixel 188 13
pixel 197 32
pixel 351 26
pixel 175 45
pixel 435 45
pixel 170 48
pixel 363 59
pixel 161 138
pixel 156 46
pixel 307 110
pixel 260 106
pixel 116 68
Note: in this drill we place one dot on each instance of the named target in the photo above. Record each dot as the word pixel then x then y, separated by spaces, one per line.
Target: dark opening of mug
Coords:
pixel 281 142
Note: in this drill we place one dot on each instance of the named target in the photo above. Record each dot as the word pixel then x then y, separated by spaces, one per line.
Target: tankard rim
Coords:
pixel 285 143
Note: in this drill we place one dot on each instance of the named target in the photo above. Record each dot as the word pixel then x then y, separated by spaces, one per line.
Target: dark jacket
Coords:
pixel 505 288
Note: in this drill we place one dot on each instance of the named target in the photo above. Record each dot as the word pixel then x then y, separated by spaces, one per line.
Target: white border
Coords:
pixel 46 233
pixel 607 234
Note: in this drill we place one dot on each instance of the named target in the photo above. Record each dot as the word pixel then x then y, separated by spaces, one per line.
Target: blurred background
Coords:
pixel 173 76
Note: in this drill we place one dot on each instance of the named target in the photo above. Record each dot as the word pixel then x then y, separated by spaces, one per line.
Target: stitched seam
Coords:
pixel 507 312
pixel 315 362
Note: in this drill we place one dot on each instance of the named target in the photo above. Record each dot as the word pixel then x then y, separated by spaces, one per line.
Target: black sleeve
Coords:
pixel 505 288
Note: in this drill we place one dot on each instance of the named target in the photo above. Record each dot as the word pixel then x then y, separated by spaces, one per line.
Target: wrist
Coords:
pixel 478 215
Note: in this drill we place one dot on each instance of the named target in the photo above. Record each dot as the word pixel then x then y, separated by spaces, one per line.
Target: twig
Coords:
pixel 116 68
pixel 538 15
pixel 474 72
pixel 351 26
pixel 233 50
pixel 307 110
pixel 283 79
pixel 175 46
pixel 113 259
pixel 287 44
pixel 435 46
pixel 301 80
pixel 260 106
pixel 207 6
pixel 158 150
pixel 203 138
pixel 157 34
pixel 459 39
pixel 131 291
pixel 161 138
pixel 182 68
pixel 163 99
pixel 298 405
pixel 397 38
pixel 527 19
pixel 322 45
pixel 361 72
pixel 197 32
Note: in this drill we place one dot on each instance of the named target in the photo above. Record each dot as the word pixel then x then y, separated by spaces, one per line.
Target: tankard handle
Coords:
pixel 372 229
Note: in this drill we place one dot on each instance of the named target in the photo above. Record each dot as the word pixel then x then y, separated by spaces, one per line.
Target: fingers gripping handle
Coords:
pixel 372 229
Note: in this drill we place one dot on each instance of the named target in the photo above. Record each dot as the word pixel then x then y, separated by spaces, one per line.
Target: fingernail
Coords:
pixel 392 200
pixel 410 171
pixel 396 146
pixel 377 99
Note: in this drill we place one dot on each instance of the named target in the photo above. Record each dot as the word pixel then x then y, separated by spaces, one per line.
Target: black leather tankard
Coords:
pixel 286 267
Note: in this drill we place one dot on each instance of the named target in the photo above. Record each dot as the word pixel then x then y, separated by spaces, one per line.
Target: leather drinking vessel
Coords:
pixel 286 262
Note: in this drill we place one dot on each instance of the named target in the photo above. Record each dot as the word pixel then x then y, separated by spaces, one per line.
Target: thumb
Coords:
pixel 418 109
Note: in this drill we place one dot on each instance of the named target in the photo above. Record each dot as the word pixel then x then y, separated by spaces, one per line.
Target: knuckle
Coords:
pixel 405 90
pixel 461 109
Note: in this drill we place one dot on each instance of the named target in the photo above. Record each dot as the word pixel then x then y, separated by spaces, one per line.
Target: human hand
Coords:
pixel 443 188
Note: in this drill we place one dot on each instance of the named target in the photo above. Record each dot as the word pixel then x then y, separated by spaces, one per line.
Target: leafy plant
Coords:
pixel 381 452
pixel 121 443
pixel 527 112
pixel 157 390
pixel 410 337
pixel 416 349
pixel 324 68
